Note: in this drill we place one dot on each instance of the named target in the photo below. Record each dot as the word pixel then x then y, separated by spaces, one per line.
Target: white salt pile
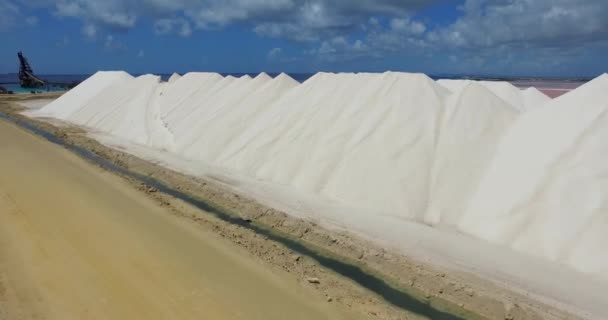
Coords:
pixel 231 120
pixel 506 165
pixel 521 100
pixel 77 97
pixel 174 77
pixel 546 191
pixel 533 98
pixel 473 122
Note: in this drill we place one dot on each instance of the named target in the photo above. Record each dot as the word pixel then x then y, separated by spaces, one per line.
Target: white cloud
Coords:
pixel 113 45
pixel 68 9
pixel 294 19
pixel 346 29
pixel 542 23
pixel 179 26
pixel 339 48
pixel 405 25
pixel 9 13
pixel 109 41
pixel 185 30
pixel 89 30
pixel 163 26
pixel 113 14
pixel 274 53
pixel 286 30
pixel 31 21
pixel 487 30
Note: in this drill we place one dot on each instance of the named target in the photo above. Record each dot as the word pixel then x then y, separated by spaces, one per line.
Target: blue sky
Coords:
pixel 476 37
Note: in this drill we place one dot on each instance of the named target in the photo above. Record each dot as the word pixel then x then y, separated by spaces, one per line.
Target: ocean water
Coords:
pixel 60 82
pixel 16 88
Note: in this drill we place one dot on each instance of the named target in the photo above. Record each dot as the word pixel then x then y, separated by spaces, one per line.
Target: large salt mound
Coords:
pixel 182 111
pixel 324 136
pixel 521 100
pixel 238 91
pixel 546 192
pixel 472 123
pixel 174 77
pixel 507 92
pixel 74 99
pixel 182 89
pixel 239 153
pixel 129 110
pixel 454 86
pixel 393 144
pixel 230 121
pixel 533 98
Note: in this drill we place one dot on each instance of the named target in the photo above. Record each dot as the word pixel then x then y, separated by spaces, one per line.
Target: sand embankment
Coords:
pixel 80 243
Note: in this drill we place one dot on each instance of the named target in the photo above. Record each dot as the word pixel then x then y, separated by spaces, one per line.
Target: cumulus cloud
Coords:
pixel 31 21
pixel 490 35
pixel 544 23
pixel 113 45
pixel 89 30
pixel 483 23
pixel 179 26
pixel 113 14
pixel 379 39
pixel 300 20
pixel 8 14
pixel 274 53
pixel 320 20
pixel 340 48
pixel 346 29
pixel 406 26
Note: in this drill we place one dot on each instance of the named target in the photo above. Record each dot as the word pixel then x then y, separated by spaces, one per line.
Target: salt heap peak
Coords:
pixel 182 111
pixel 185 88
pixel 261 78
pixel 471 125
pixel 228 122
pixel 207 110
pixel 319 76
pixel 322 136
pixel 507 92
pixel 283 75
pixel 174 77
pixel 533 98
pixel 454 86
pixel 245 153
pixel 263 75
pixel 395 134
pixel 72 100
pixel 521 100
pixel 545 191
pixel 133 114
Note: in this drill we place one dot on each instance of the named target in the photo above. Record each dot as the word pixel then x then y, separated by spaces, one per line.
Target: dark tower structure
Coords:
pixel 27 79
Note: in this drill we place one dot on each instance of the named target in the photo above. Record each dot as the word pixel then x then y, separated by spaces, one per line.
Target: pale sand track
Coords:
pixel 78 243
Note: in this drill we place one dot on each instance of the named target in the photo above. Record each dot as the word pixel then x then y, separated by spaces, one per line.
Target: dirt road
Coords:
pixel 79 243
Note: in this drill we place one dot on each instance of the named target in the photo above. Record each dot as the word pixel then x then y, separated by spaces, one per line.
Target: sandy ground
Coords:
pixel 35 104
pixel 80 243
pixel 462 293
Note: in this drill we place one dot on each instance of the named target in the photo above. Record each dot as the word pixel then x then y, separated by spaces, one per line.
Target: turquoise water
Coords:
pixel 16 88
